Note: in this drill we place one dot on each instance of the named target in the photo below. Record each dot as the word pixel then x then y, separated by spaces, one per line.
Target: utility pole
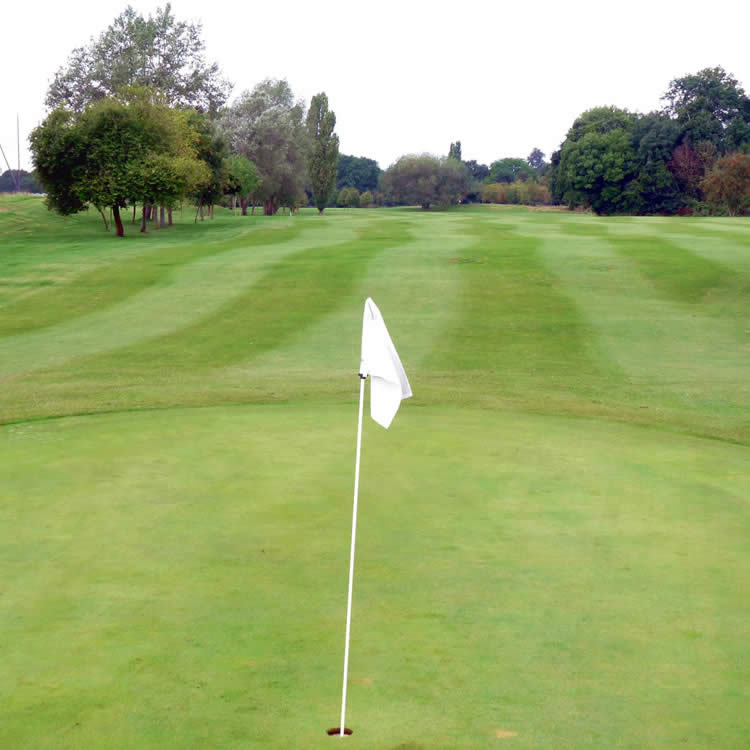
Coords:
pixel 18 147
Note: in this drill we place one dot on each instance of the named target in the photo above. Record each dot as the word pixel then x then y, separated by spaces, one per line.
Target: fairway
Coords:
pixel 553 534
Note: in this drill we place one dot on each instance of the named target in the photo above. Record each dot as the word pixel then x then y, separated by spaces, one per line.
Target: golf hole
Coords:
pixel 336 731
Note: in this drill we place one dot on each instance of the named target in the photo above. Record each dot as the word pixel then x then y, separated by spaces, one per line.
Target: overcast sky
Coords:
pixel 414 75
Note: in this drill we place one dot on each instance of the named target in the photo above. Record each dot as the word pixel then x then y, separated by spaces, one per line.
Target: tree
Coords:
pixel 600 120
pixel 454 152
pixel 359 172
pixel 710 106
pixel 729 184
pixel 322 163
pixel 266 126
pixel 366 199
pixel 536 160
pixel 245 179
pixel 348 197
pixel 509 170
pixel 423 179
pixel 596 161
pixel 595 170
pixel 28 182
pixel 479 172
pixel 212 151
pixel 115 151
pixel 159 53
pixel 455 182
pixel 688 169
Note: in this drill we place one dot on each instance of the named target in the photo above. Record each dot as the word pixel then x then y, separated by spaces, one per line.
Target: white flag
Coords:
pixel 388 381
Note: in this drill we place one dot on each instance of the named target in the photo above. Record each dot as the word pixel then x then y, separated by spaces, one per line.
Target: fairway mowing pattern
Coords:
pixel 516 325
pixel 552 538
pixel 680 274
pixel 105 287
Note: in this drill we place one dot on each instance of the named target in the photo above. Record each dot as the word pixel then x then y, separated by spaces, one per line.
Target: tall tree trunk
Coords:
pixel 147 210
pixel 169 217
pixel 155 215
pixel 134 207
pixel 162 217
pixel 104 217
pixel 252 212
pixel 243 205
pixel 144 214
pixel 200 209
pixel 118 221
pixel 200 206
pixel 211 212
pixel 270 207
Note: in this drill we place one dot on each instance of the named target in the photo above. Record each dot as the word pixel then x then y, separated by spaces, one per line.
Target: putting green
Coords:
pixel 552 546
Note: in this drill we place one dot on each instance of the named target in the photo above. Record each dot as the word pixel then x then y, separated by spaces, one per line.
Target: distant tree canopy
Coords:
pixel 478 171
pixel 454 152
pixel 710 106
pixel 617 161
pixel 359 172
pixel 28 182
pixel 536 161
pixel 510 170
pixel 157 52
pixel 426 180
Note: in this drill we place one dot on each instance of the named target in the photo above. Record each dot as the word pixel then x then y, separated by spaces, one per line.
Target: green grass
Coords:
pixel 552 545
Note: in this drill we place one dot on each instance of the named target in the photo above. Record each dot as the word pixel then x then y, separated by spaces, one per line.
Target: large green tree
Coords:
pixel 267 126
pixel 710 105
pixel 359 172
pixel 510 169
pixel 158 52
pixel 113 152
pixel 595 170
pixel 425 180
pixel 323 158
pixel 597 161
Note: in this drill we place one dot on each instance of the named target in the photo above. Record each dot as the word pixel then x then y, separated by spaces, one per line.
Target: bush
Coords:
pixel 520 192
pixel 366 199
pixel 348 197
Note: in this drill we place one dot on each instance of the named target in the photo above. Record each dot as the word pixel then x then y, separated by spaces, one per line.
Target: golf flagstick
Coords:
pixel 351 558
pixel 388 387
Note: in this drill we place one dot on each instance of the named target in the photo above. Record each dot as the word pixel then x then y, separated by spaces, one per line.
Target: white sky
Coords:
pixel 413 75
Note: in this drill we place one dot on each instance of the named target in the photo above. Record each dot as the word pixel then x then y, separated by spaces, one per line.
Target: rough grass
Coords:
pixel 553 534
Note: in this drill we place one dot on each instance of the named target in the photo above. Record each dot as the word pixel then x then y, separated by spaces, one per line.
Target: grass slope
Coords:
pixel 553 534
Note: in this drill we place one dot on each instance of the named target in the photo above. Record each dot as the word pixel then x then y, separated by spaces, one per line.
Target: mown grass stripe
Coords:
pixel 207 283
pixel 290 297
pixel 116 280
pixel 516 324
pixel 681 365
pixel 413 283
pixel 678 273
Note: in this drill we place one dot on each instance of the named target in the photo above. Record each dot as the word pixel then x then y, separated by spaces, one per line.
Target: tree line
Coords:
pixel 690 157
pixel 140 119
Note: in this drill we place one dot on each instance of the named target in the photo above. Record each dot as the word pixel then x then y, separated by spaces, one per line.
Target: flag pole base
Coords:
pixel 336 732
